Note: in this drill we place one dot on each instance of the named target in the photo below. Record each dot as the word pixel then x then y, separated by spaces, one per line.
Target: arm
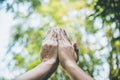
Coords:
pixel 68 58
pixel 49 60
pixel 42 72
pixel 75 72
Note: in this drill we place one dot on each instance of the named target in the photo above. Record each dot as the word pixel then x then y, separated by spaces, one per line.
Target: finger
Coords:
pixel 59 36
pixel 54 35
pixel 48 37
pixel 66 36
pixel 49 34
pixel 76 50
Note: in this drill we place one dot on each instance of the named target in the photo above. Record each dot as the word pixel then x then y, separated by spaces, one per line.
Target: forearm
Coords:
pixel 41 72
pixel 75 72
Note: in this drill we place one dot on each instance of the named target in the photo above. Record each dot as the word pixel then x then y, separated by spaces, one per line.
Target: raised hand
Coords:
pixel 49 59
pixel 66 50
pixel 49 47
pixel 68 57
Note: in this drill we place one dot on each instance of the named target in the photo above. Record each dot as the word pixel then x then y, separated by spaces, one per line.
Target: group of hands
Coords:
pixel 57 49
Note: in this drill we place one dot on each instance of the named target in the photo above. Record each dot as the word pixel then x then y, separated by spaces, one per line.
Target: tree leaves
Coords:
pixel 74 16
pixel 19 60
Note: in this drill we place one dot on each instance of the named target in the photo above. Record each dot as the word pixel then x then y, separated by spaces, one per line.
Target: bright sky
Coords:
pixel 6 22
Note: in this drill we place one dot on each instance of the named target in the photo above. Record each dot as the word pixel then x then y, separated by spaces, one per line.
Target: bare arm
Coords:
pixel 75 72
pixel 49 60
pixel 68 58
pixel 42 72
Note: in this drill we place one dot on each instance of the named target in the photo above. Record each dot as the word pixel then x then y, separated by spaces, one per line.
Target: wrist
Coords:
pixel 53 62
pixel 68 63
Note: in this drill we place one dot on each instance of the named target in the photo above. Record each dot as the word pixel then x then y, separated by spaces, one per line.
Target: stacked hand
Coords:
pixel 57 48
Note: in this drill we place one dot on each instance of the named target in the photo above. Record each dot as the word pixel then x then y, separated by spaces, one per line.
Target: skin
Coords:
pixel 49 60
pixel 64 47
pixel 68 58
pixel 56 48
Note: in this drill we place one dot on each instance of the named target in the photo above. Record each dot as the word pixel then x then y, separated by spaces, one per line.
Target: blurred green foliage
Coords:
pixel 79 18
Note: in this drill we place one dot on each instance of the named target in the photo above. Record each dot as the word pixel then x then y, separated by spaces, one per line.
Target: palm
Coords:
pixel 49 46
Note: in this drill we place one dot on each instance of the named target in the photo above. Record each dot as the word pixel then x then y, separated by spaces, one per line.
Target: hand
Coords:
pixel 49 47
pixel 66 51
pixel 49 60
pixel 68 57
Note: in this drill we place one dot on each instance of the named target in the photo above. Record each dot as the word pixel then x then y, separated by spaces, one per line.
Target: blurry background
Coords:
pixel 93 24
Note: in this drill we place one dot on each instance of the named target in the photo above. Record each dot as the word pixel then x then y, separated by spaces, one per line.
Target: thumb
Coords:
pixel 76 50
